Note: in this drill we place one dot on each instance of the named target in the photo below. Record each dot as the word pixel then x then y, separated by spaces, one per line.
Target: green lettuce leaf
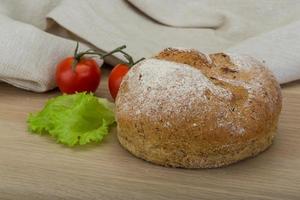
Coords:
pixel 80 118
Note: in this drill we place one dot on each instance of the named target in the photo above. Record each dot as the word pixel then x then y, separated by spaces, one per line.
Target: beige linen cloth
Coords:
pixel 35 34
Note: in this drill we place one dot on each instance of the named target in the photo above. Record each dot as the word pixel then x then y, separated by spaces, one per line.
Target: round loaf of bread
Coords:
pixel 186 109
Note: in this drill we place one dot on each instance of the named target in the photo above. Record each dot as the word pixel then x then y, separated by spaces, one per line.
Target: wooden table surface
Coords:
pixel 35 167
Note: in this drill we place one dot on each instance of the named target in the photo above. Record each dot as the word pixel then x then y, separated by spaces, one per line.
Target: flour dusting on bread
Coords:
pixel 244 61
pixel 169 83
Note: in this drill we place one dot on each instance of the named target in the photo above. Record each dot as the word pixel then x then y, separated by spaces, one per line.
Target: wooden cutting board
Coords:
pixel 35 167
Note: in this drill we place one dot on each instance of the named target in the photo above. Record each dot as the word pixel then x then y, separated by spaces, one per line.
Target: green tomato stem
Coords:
pixel 138 61
pixel 79 55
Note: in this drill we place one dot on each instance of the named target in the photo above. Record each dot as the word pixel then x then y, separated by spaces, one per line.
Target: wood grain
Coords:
pixel 35 167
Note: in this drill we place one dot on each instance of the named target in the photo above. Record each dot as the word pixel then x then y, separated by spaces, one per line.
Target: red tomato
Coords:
pixel 115 78
pixel 85 76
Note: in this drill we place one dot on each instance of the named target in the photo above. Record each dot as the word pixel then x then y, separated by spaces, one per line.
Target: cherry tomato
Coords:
pixel 115 78
pixel 84 76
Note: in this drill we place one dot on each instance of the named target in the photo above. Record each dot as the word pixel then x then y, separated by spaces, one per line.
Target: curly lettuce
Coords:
pixel 75 119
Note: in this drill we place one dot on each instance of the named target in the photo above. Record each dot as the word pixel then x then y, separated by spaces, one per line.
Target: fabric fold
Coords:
pixel 278 49
pixel 172 13
pixel 29 55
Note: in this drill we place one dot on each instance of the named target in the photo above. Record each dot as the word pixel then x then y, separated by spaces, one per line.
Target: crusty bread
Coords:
pixel 185 109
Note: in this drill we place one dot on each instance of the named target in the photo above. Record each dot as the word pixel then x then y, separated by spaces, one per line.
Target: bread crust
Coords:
pixel 207 132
